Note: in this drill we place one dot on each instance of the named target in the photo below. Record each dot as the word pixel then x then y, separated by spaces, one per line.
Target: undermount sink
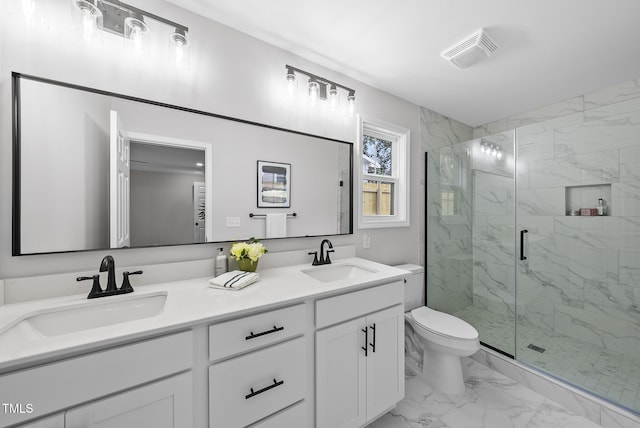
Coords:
pixel 96 313
pixel 329 273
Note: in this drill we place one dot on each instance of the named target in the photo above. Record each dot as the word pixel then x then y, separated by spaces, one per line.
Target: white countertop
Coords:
pixel 189 302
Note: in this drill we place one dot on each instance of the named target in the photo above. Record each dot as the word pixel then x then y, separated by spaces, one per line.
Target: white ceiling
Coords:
pixel 550 50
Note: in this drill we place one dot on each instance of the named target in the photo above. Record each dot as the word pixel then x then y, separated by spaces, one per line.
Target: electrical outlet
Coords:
pixel 233 221
pixel 366 240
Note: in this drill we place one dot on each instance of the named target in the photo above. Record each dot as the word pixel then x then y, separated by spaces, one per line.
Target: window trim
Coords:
pixel 400 173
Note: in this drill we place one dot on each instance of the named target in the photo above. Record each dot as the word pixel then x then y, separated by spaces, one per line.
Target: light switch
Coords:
pixel 233 221
pixel 366 240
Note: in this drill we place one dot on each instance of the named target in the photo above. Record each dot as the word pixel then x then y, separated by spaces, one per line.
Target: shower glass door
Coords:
pixel 470 236
pixel 499 222
pixel 578 276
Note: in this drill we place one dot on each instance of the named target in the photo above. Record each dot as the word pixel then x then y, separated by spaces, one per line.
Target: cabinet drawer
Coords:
pixel 353 305
pixel 167 403
pixel 294 416
pixel 250 387
pixel 62 384
pixel 55 421
pixel 251 332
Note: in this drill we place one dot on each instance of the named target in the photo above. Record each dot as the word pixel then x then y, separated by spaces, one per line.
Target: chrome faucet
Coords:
pixel 324 255
pixel 108 265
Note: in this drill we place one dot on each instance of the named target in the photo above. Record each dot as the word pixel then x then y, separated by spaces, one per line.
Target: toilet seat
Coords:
pixel 443 324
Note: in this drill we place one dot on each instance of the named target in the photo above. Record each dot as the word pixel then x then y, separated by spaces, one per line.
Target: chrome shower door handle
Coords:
pixel 522 233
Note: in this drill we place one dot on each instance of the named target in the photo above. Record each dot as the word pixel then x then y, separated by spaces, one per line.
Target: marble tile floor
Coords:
pixel 491 400
pixel 613 376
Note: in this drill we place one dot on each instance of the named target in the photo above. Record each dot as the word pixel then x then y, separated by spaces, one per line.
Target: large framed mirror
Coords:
pixel 95 170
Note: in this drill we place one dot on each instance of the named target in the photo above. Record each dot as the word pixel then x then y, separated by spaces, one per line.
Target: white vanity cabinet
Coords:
pixel 104 385
pixel 359 362
pixel 259 369
pixel 164 404
pixel 54 421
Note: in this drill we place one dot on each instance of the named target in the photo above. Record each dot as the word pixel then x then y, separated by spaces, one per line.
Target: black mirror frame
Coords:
pixel 16 159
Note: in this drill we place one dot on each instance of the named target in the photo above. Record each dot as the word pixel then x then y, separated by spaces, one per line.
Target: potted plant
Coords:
pixel 247 254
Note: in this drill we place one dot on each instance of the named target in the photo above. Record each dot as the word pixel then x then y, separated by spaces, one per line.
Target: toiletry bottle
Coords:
pixel 600 207
pixel 222 262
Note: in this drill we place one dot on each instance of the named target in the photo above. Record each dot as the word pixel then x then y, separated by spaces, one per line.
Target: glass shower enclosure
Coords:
pixel 516 247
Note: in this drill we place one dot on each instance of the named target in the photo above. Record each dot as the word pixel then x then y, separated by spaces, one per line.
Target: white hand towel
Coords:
pixel 234 280
pixel 276 225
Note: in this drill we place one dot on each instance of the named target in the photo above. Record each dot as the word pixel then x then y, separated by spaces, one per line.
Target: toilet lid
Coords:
pixel 443 324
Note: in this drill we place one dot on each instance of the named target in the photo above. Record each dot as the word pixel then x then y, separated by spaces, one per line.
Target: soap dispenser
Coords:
pixel 600 207
pixel 222 263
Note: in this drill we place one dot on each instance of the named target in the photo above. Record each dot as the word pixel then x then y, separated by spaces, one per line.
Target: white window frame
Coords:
pixel 400 173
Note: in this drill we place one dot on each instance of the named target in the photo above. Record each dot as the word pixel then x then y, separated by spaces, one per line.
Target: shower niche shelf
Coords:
pixel 587 196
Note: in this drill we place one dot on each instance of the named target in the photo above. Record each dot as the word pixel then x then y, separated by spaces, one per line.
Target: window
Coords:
pixel 448 203
pixel 384 171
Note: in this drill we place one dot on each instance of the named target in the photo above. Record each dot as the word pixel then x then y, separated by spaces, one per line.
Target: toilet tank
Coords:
pixel 413 286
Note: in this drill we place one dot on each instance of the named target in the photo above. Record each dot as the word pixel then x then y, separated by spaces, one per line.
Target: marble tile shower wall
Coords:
pixel 449 263
pixel 450 250
pixel 493 244
pixel 582 277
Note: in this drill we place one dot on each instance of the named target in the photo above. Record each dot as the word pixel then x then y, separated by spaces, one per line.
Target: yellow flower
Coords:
pixel 252 250
pixel 256 250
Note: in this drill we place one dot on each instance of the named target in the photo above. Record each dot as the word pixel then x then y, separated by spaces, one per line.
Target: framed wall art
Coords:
pixel 274 184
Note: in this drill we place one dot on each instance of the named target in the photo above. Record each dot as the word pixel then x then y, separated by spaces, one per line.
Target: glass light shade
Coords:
pixel 180 46
pixel 291 83
pixel 351 102
pixel 314 90
pixel 333 97
pixel 29 10
pixel 494 152
pixel 500 155
pixel 89 17
pixel 136 32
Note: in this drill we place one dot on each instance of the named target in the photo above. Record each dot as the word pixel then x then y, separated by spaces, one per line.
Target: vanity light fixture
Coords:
pixel 128 22
pixel 322 89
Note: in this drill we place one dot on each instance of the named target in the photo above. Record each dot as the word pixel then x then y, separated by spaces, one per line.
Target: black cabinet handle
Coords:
pixel 365 348
pixel 373 345
pixel 522 232
pixel 273 330
pixel 266 388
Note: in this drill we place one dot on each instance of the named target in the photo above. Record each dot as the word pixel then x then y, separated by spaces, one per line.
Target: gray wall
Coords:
pixel 231 74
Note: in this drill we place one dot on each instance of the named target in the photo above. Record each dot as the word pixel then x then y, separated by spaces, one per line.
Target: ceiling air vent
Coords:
pixel 470 50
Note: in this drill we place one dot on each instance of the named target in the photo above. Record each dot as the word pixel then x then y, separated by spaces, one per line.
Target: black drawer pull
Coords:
pixel 266 388
pixel 373 345
pixel 273 330
pixel 365 348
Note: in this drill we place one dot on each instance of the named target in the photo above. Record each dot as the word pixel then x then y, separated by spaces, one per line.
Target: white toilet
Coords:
pixel 435 341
